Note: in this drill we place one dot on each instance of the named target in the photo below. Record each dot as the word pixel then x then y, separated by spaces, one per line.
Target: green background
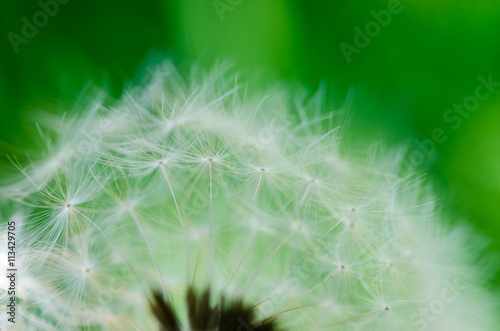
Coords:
pixel 427 59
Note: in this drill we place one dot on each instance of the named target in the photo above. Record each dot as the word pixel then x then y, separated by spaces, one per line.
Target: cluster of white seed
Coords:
pixel 261 197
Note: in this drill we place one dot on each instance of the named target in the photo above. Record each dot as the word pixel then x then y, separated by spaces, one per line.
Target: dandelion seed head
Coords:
pixel 195 193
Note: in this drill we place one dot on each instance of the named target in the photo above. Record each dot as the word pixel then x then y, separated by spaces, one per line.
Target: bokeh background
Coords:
pixel 405 77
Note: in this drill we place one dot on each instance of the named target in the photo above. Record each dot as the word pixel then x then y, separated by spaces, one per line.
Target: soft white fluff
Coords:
pixel 201 181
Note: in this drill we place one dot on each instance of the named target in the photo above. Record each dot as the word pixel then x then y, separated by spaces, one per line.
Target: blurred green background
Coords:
pixel 406 73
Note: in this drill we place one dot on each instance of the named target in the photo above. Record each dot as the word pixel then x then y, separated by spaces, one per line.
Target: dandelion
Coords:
pixel 199 206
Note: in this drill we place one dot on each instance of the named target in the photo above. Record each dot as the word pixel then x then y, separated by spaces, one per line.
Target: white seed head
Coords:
pixel 199 183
